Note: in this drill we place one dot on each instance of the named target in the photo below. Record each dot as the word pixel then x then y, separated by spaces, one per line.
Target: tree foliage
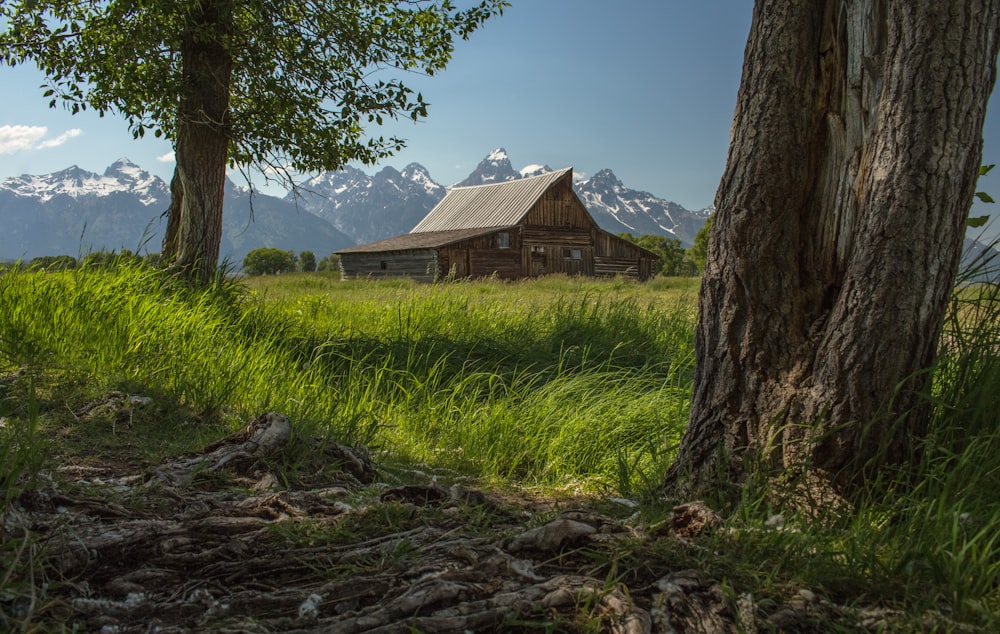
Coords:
pixel 307 261
pixel 979 221
pixel 111 259
pixel 329 263
pixel 699 251
pixel 674 259
pixel 53 263
pixel 268 261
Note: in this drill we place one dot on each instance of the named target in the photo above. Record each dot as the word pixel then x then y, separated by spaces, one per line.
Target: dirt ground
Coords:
pixel 217 542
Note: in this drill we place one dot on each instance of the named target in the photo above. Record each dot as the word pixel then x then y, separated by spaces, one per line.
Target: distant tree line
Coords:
pixel 94 259
pixel 273 261
pixel 675 260
pixel 263 261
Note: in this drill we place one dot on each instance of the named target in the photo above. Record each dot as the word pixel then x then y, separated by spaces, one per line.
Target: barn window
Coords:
pixel 382 265
pixel 572 254
pixel 503 240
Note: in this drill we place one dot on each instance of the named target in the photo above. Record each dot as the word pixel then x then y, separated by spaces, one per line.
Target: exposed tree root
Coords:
pixel 212 543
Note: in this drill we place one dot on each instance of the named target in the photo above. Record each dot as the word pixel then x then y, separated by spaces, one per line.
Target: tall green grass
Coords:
pixel 565 383
pixel 553 386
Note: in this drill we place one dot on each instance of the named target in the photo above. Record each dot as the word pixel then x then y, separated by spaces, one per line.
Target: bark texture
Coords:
pixel 841 213
pixel 194 227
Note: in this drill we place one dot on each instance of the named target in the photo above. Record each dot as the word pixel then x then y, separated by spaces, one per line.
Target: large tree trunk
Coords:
pixel 841 213
pixel 194 228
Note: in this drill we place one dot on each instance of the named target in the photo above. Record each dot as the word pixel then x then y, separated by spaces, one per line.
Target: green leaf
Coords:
pixel 985 169
pixel 978 221
pixel 986 198
pixel 303 83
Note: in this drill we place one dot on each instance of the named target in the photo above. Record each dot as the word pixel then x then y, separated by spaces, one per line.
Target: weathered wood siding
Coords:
pixel 545 259
pixel 483 256
pixel 419 264
pixel 559 208
pixel 617 256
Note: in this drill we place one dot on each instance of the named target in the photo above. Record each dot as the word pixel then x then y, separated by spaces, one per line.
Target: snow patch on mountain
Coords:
pixel 495 168
pixel 617 208
pixel 534 170
pixel 369 208
pixel 121 176
pixel 498 155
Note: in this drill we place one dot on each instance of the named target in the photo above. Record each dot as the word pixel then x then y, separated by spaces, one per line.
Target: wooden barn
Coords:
pixel 514 229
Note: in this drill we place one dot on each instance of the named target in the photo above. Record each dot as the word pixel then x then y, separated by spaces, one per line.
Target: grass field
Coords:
pixel 563 386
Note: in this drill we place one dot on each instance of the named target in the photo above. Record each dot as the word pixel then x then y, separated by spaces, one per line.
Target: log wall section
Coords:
pixel 482 256
pixel 419 264
pixel 617 256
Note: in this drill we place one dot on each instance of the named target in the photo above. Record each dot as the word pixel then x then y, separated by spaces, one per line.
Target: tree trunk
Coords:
pixel 194 228
pixel 840 217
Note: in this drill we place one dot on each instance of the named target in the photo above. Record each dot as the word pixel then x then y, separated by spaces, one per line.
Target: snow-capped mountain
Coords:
pixel 390 203
pixel 496 168
pixel 618 209
pixel 121 176
pixel 369 208
pixel 73 211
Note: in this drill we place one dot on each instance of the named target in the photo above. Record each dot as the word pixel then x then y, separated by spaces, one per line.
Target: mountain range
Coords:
pixel 390 203
pixel 73 211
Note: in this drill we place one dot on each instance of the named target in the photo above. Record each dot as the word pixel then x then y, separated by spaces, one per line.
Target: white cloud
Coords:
pixel 14 138
pixel 166 158
pixel 59 140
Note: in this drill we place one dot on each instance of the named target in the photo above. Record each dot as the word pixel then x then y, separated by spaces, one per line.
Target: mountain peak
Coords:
pixel 387 173
pixel 418 174
pixel 123 162
pixel 124 169
pixel 497 156
pixel 534 170
pixel 607 176
pixel 495 168
pixel 413 169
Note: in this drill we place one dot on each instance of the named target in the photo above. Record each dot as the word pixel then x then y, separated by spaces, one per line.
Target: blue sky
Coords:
pixel 644 87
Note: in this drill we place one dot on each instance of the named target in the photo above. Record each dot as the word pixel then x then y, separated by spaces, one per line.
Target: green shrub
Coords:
pixel 268 261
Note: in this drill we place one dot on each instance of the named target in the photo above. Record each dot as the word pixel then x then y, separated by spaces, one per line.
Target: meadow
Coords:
pixel 559 386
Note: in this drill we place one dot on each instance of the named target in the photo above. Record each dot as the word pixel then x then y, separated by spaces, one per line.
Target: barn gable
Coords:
pixel 497 205
pixel 514 229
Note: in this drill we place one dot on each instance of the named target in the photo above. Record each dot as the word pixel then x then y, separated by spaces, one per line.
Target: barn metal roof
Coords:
pixel 481 206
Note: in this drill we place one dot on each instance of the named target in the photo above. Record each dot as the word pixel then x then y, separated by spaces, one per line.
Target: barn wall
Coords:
pixel 483 256
pixel 538 260
pixel 617 256
pixel 556 236
pixel 559 208
pixel 419 264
